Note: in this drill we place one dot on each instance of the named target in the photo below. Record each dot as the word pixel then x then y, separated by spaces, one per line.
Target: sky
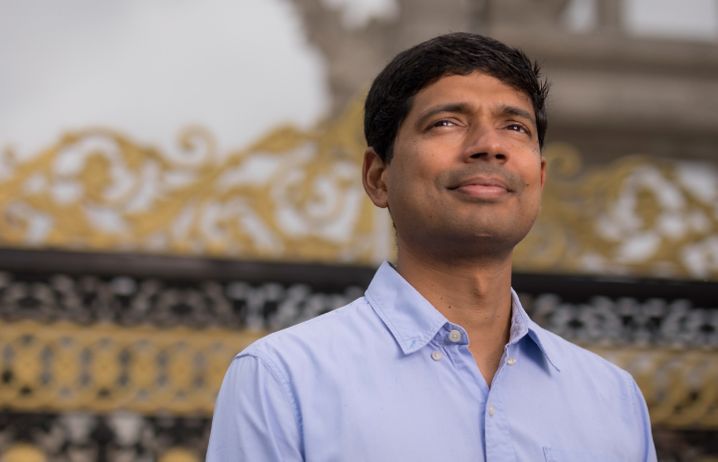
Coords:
pixel 150 68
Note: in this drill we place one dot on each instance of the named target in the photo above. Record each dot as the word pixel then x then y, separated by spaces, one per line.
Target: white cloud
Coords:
pixel 150 68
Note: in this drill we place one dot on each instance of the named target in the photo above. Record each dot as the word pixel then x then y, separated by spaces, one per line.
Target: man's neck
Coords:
pixel 473 294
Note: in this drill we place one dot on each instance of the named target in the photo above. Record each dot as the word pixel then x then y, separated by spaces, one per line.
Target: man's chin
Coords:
pixel 476 246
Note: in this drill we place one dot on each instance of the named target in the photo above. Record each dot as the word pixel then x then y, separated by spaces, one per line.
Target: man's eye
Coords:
pixel 443 123
pixel 518 128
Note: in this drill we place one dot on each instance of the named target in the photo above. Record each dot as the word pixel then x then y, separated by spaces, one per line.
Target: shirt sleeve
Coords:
pixel 642 411
pixel 255 416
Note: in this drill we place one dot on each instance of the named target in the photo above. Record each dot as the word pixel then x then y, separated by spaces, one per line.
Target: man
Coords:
pixel 438 361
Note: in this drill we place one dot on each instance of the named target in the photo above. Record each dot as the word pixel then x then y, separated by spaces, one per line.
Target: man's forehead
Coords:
pixel 459 82
pixel 465 89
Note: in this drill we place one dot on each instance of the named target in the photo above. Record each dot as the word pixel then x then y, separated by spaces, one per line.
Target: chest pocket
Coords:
pixel 579 455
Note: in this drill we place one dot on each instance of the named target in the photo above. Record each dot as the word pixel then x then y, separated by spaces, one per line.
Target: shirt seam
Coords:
pixel 637 405
pixel 631 390
pixel 284 384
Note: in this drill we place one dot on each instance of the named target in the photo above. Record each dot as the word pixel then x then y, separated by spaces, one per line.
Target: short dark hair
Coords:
pixel 391 95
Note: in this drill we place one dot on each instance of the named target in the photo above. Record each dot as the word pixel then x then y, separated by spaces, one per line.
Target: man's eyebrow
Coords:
pixel 464 108
pixel 508 110
pixel 460 108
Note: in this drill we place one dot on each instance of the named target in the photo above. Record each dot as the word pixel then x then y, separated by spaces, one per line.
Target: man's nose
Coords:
pixel 486 144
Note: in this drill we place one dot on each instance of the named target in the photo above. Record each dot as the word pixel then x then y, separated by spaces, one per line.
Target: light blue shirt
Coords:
pixel 388 378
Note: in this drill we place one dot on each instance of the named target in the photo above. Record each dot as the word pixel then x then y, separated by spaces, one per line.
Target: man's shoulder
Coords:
pixel 341 329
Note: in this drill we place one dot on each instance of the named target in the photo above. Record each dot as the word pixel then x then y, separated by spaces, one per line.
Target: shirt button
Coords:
pixel 492 411
pixel 436 355
pixel 511 361
pixel 454 335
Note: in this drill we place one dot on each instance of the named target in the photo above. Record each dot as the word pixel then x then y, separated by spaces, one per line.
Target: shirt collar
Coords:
pixel 410 318
pixel 522 324
pixel 413 321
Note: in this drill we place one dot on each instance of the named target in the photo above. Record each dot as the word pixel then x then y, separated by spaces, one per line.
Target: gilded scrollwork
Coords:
pixel 67 367
pixel 297 195
pixel 635 215
pixel 678 385
pixel 292 195
pixel 116 436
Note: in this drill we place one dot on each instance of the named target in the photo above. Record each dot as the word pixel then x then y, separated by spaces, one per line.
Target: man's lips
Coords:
pixel 483 187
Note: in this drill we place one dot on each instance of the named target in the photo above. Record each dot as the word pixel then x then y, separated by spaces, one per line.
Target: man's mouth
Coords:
pixel 483 187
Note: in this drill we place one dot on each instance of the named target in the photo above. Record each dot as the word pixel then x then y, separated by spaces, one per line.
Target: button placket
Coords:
pixel 510 355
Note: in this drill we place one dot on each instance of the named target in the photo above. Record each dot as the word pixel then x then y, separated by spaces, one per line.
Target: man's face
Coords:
pixel 467 172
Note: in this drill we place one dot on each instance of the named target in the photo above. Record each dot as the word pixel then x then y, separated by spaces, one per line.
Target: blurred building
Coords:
pixel 178 178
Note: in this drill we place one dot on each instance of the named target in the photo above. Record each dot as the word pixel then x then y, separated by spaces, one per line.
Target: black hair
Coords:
pixel 391 94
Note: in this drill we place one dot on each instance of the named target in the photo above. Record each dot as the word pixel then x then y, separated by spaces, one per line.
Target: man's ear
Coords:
pixel 373 178
pixel 543 171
